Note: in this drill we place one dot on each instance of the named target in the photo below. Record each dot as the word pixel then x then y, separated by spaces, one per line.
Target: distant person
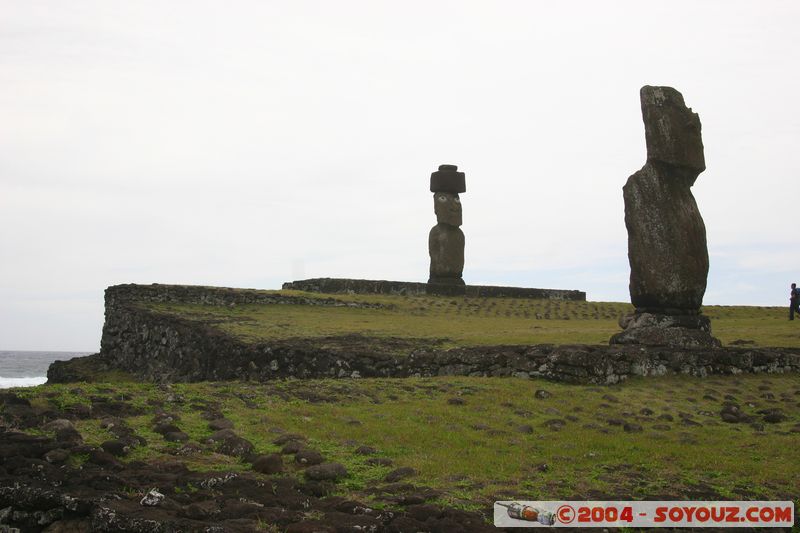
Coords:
pixel 794 301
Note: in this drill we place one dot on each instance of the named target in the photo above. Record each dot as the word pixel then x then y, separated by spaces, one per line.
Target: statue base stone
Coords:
pixel 648 328
pixel 446 287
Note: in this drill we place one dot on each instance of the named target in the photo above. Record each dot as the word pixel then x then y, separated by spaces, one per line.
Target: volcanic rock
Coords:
pixel 667 248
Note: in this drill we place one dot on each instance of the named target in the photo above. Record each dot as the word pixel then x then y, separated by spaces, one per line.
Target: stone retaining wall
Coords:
pixel 160 347
pixel 368 286
pixel 117 296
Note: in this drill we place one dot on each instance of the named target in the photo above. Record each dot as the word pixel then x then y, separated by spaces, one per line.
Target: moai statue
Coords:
pixel 666 236
pixel 446 240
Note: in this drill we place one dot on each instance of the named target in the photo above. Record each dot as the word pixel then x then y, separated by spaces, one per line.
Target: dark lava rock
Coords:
pixel 554 424
pixel 773 416
pixel 667 417
pixel 220 423
pixel 287 437
pixel 310 527
pixel 229 443
pixel 202 510
pixel 190 448
pixel 542 394
pixel 268 464
pixel 400 473
pixel 165 418
pixel 293 446
pixel 326 471
pixel 115 447
pixel 37 496
pixel 318 489
pixel 615 422
pixel 103 458
pixel 365 450
pixel 176 436
pixel 610 398
pixel 423 512
pixel 646 412
pixel 58 425
pixel 456 401
pixel 662 427
pixel 57 456
pixel 733 414
pixel 163 429
pixel 308 457
pixel 525 428
pixel 69 437
pixel 630 427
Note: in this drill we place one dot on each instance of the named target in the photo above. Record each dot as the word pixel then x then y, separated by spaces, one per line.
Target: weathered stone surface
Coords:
pixel 407 288
pixel 268 464
pixel 326 472
pixel 672 337
pixel 399 473
pixel 666 234
pixel 132 342
pixel 667 248
pixel 448 179
pixel 229 443
pixel 308 457
pixel 674 331
pixel 446 240
pixel 446 250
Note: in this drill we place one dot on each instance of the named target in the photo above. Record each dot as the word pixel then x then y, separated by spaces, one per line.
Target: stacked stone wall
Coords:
pixel 161 347
pixel 368 286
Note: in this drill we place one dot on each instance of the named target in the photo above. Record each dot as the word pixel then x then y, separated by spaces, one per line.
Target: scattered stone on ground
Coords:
pixel 400 473
pixel 326 471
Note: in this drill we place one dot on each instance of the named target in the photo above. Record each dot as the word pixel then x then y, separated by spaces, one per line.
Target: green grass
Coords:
pixel 461 321
pixel 476 452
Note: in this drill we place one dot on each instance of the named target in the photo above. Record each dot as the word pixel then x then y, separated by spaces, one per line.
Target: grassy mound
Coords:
pixel 460 321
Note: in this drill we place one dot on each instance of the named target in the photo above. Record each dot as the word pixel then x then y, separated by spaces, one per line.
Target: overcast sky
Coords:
pixel 246 144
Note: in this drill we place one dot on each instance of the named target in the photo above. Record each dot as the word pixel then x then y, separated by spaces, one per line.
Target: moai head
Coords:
pixel 447 206
pixel 672 130
pixel 446 184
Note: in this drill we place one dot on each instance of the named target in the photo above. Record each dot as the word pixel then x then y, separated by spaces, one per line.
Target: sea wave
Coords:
pixel 7 383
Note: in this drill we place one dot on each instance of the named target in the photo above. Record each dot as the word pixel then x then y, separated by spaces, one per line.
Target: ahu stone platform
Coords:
pixel 158 346
pixel 408 288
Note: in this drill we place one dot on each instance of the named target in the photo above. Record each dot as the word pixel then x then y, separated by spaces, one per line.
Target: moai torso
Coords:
pixel 446 240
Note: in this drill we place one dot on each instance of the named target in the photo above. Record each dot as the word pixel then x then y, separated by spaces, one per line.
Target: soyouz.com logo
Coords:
pixel 643 514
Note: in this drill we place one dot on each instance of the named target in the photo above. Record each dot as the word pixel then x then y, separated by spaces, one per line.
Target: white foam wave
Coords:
pixel 7 383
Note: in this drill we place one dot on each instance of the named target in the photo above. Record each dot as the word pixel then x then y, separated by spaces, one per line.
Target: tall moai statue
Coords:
pixel 446 240
pixel 666 235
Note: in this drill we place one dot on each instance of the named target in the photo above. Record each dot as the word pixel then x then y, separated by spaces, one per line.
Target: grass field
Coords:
pixel 474 440
pixel 460 321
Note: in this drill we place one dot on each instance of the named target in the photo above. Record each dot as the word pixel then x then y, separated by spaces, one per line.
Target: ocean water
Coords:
pixel 26 369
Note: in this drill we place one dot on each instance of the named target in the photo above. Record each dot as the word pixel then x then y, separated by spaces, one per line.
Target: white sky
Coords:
pixel 245 144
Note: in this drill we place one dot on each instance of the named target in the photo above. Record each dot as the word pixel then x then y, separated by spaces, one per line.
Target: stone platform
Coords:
pixel 368 286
